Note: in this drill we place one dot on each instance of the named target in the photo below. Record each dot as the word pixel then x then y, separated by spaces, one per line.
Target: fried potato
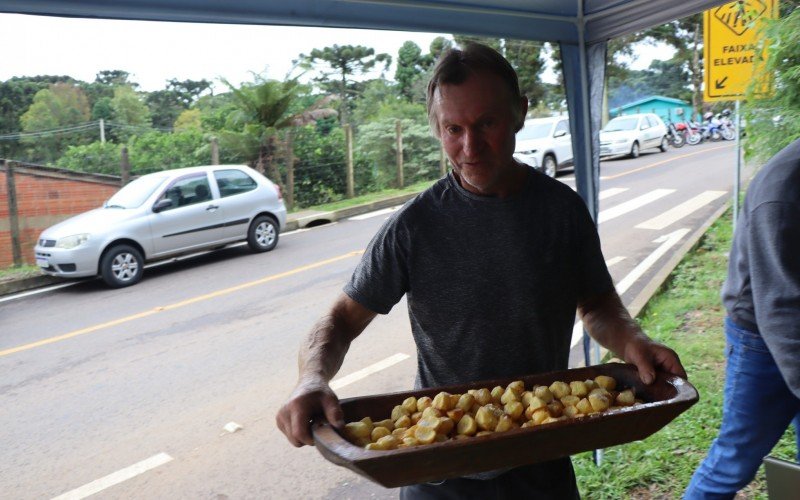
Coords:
pixel 456 414
pixel 543 392
pixel 385 423
pixel 465 402
pixel 578 388
pixel 467 426
pixel 410 404
pixel 599 401
pixel 487 417
pixel 398 411
pixel 379 432
pixel 404 421
pixel 356 430
pixel 483 396
pixel 514 409
pixel 425 435
pixel 446 425
pixel 559 389
pixel 517 386
pixel 606 382
pixel 424 402
pixel 442 402
pixel 626 398
pixel 508 396
pixel 505 423
pixel 570 400
pixel 497 393
pixel 584 406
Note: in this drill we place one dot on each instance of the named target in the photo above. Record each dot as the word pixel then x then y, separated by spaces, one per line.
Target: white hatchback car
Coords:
pixel 545 143
pixel 162 215
pixel 630 134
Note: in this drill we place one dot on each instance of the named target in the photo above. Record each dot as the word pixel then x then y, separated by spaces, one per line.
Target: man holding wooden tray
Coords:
pixel 494 260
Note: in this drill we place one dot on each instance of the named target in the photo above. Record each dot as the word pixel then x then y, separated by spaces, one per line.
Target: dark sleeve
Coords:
pixel 774 253
pixel 594 278
pixel 381 278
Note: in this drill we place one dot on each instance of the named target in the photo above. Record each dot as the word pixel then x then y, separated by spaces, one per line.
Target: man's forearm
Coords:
pixel 325 347
pixel 609 323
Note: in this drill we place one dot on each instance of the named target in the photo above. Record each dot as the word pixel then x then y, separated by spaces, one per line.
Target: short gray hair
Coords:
pixel 455 66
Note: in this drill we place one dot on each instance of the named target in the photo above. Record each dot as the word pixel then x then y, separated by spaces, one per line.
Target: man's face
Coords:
pixel 477 127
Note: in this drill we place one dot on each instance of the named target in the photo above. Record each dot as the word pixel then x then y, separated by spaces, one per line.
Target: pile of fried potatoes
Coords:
pixel 479 412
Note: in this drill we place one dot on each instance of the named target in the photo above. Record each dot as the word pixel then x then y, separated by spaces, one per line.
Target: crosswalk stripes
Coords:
pixel 631 205
pixel 679 212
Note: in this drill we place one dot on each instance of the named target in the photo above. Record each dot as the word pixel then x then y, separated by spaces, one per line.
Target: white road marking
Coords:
pixel 366 372
pixel 38 291
pixel 115 477
pixel 376 213
pixel 631 205
pixel 667 242
pixel 289 233
pixel 679 212
pixel 614 260
pixel 608 193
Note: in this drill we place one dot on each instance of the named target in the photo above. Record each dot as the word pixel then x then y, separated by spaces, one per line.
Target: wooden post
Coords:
pixel 348 135
pixel 289 194
pixel 124 167
pixel 13 214
pixel 442 161
pixel 214 151
pixel 398 127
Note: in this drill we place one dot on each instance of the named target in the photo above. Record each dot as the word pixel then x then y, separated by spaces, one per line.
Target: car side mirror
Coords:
pixel 162 205
pixel 560 133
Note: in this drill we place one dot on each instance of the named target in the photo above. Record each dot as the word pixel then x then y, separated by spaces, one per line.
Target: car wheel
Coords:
pixel 635 150
pixel 549 165
pixel 263 234
pixel 664 144
pixel 122 265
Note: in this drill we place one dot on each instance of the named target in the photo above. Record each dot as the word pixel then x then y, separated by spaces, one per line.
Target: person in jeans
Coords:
pixel 762 299
pixel 494 259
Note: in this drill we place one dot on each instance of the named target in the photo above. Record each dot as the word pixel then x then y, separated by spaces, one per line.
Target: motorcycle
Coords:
pixel 675 137
pixel 690 131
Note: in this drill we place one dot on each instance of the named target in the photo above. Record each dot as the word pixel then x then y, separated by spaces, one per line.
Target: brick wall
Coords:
pixel 46 196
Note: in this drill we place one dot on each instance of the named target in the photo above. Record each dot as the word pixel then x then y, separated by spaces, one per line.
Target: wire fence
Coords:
pixel 319 173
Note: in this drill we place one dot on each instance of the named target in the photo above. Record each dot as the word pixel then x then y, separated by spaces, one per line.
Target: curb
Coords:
pixel 294 221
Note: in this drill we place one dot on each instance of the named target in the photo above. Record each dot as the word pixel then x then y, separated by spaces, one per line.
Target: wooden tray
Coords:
pixel 665 399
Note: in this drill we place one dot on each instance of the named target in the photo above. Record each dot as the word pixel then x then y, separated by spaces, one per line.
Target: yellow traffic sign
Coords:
pixel 730 43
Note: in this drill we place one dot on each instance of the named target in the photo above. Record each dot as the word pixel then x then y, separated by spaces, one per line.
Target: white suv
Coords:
pixel 545 143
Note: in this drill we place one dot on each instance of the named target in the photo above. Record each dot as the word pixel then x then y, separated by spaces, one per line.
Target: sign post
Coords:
pixel 730 33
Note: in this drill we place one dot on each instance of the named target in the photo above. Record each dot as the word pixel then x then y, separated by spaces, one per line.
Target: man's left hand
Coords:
pixel 650 356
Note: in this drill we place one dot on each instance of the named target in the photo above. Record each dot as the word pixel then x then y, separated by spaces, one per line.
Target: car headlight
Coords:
pixel 72 241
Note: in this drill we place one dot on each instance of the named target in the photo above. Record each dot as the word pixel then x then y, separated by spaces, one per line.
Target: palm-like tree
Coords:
pixel 265 109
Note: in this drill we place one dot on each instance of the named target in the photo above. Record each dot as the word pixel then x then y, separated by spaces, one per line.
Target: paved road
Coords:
pixel 127 392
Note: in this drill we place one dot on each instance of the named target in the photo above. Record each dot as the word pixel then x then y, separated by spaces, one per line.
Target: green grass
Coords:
pixel 687 315
pixel 18 272
pixel 369 198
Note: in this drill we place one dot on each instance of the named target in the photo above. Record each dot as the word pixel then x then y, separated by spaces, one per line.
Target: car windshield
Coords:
pixel 136 192
pixel 617 124
pixel 534 131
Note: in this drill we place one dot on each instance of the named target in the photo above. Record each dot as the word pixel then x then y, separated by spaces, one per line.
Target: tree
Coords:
pixel 338 66
pixel 773 117
pixel 16 96
pixel 54 109
pixel 165 105
pixel 129 111
pixel 188 119
pixel 411 65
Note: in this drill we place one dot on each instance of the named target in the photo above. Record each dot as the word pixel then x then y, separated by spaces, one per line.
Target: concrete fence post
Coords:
pixel 125 167
pixel 13 213
pixel 398 128
pixel 214 151
pixel 348 135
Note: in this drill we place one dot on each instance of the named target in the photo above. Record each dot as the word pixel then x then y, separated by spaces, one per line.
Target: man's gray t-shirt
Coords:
pixel 492 284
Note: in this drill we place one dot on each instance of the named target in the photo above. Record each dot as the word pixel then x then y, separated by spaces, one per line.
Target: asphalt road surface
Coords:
pixel 133 393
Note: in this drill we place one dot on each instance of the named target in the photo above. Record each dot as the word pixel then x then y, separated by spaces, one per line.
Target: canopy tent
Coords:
pixel 580 27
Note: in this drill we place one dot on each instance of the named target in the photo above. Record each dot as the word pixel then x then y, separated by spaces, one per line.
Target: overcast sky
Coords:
pixel 153 52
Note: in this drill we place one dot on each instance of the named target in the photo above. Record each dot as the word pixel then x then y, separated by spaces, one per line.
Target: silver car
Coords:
pixel 162 215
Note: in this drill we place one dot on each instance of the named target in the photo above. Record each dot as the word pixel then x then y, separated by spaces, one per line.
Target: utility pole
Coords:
pixel 102 131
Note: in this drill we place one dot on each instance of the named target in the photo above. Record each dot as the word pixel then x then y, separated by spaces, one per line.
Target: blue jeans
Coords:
pixel 757 409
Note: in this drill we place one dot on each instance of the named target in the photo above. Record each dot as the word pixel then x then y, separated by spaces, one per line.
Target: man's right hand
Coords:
pixel 310 399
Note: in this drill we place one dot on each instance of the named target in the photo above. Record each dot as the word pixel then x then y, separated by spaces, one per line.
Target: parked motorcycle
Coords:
pixel 675 137
pixel 690 131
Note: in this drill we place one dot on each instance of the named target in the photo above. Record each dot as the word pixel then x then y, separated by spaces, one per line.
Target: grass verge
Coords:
pixel 18 272
pixel 369 198
pixel 687 315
